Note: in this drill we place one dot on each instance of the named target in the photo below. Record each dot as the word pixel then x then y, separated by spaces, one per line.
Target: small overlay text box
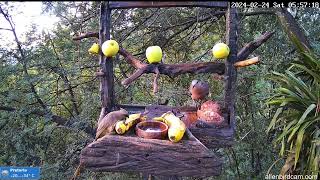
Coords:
pixel 21 173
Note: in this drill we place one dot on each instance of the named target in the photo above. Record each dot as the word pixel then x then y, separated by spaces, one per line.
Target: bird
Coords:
pixel 106 125
pixel 199 90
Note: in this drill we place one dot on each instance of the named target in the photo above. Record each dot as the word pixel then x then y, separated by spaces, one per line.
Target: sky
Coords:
pixel 30 13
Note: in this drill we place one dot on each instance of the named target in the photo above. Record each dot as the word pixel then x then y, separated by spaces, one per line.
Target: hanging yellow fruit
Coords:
pixel 220 51
pixel 94 49
pixel 110 48
pixel 154 54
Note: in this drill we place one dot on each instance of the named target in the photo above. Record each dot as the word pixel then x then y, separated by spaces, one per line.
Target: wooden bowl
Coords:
pixel 152 130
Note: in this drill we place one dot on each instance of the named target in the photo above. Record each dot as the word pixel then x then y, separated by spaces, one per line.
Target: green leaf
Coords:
pixel 299 142
pixel 282 147
pixel 309 71
pixel 300 85
pixel 274 119
pixel 278 101
pixel 310 57
pixel 287 129
pixel 305 114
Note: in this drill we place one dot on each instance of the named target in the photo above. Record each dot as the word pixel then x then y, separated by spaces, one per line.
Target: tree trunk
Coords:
pixel 292 28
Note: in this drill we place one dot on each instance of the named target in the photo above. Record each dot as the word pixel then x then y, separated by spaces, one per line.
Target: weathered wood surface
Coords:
pixel 157 4
pixel 157 157
pixel 106 64
pixel 231 71
pixel 214 137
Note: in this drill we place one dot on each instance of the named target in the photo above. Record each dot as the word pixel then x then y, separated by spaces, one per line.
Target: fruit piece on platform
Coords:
pixel 124 125
pixel 110 48
pixel 120 127
pixel 177 127
pixel 132 120
pixel 154 54
pixel 220 51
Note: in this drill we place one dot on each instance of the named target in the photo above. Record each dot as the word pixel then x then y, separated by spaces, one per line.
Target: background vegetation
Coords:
pixel 48 78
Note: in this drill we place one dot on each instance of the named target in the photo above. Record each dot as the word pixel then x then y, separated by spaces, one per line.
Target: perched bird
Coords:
pixel 106 125
pixel 199 90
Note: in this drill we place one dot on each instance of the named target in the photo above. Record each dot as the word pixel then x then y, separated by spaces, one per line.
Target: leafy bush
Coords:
pixel 297 116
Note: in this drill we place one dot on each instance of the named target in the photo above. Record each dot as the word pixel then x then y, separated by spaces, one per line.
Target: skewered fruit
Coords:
pixel 177 127
pixel 154 54
pixel 110 48
pixel 94 49
pixel 220 51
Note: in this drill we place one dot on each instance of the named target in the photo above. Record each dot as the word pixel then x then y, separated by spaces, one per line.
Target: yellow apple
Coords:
pixel 220 51
pixel 110 48
pixel 94 49
pixel 154 54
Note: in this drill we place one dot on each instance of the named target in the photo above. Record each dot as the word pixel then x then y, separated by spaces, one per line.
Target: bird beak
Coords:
pixel 127 116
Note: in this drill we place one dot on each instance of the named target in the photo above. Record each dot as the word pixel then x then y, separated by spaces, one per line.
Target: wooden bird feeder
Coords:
pixel 191 156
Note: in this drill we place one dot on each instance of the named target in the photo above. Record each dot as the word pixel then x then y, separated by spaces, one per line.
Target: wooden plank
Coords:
pixel 214 137
pixel 158 4
pixel 115 153
pixel 231 71
pixel 106 64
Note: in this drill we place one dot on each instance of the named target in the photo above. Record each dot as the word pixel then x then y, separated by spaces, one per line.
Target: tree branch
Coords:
pixel 155 80
pixel 86 35
pixel 216 14
pixel 171 70
pixel 57 119
pixel 253 45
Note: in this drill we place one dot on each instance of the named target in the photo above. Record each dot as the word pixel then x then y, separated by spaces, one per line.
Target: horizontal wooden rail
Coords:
pixel 158 4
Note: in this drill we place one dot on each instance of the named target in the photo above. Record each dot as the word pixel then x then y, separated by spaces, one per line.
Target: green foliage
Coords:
pixel 297 117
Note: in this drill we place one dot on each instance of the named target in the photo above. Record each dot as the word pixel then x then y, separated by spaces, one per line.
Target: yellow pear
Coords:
pixel 154 54
pixel 110 48
pixel 220 51
pixel 94 49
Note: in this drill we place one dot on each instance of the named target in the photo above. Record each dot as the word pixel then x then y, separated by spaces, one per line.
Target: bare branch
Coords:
pixel 253 45
pixel 86 35
pixel 57 119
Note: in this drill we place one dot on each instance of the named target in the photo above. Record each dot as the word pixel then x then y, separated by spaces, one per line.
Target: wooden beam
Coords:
pixel 214 137
pixel 231 72
pixel 106 64
pixel 115 153
pixel 158 4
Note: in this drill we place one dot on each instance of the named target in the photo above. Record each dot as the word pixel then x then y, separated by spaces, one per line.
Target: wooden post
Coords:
pixel 231 71
pixel 106 64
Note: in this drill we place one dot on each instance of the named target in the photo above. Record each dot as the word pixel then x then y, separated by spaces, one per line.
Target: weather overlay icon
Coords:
pixel 30 173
